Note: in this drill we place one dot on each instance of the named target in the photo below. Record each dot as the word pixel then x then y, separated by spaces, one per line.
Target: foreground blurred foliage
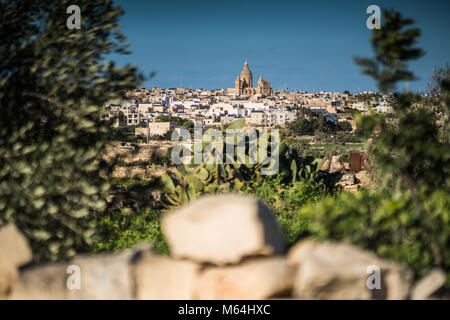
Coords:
pixel 126 229
pixel 53 84
pixel 407 217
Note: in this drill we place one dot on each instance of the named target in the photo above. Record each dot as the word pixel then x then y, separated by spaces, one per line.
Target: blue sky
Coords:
pixel 301 45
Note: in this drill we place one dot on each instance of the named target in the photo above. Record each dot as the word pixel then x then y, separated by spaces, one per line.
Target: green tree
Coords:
pixel 53 84
pixel 344 126
pixel 408 152
pixel 310 123
pixel 437 98
pixel 182 123
pixel 393 47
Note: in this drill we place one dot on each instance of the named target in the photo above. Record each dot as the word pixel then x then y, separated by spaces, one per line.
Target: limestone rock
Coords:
pixel 258 278
pixel 222 229
pixel 14 252
pixel 300 250
pixel 348 182
pixel 105 277
pixel 364 178
pixel 341 271
pixel 159 277
pixel 347 179
pixel 42 282
pixel 332 165
pixel 14 246
pixel 100 277
pixel 8 275
pixel 428 285
pixel 351 188
pixel 326 165
pixel 335 165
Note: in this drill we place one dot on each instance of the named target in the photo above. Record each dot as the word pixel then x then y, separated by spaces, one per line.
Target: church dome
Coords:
pixel 244 84
pixel 247 75
pixel 246 70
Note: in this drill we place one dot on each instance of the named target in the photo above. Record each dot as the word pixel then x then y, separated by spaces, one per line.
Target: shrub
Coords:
pixel 389 224
pixel 123 134
pixel 123 230
pixel 344 157
pixel 285 200
pixel 161 157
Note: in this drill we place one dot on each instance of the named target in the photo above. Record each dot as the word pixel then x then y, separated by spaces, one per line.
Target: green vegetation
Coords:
pixel 190 181
pixel 124 230
pixel 124 134
pixel 388 223
pixel 125 182
pixel 438 99
pixel 373 97
pixel 311 123
pixel 161 158
pixel 324 150
pixel 285 199
pixel 182 123
pixel 332 146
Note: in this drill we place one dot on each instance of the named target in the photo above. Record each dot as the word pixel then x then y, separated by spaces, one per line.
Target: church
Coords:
pixel 244 84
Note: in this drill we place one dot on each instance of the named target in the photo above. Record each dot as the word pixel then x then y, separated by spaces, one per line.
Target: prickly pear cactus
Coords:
pixel 191 180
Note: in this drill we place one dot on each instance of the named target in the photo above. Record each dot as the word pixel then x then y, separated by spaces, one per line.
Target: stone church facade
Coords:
pixel 244 84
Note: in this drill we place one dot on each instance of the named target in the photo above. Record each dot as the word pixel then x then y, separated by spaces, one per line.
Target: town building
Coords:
pixel 244 84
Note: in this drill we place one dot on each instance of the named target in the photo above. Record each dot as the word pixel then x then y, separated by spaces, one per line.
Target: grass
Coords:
pixel 337 145
pixel 123 230
pixel 126 182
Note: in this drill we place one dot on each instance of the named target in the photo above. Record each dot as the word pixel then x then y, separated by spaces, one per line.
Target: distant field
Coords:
pixel 337 145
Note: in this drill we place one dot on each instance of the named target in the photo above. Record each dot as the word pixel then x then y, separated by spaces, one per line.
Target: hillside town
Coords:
pixel 260 106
